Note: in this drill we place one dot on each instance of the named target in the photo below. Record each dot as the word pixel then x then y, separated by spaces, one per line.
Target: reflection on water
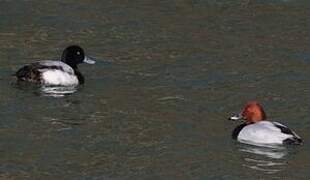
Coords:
pixel 270 152
pixel 268 167
pixel 52 91
pixel 266 159
pixel 57 91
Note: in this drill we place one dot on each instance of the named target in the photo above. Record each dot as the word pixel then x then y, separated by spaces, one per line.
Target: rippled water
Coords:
pixel 155 105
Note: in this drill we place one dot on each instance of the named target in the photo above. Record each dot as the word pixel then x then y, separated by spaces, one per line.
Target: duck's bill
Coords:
pixel 236 117
pixel 89 60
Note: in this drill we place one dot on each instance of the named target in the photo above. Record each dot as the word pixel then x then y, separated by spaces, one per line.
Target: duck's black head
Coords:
pixel 74 55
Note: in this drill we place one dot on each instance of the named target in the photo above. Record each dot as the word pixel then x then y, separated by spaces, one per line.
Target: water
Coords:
pixel 155 105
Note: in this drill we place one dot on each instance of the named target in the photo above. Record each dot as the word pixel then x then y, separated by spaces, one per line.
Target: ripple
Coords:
pixel 168 98
pixel 57 91
pixel 270 152
pixel 269 160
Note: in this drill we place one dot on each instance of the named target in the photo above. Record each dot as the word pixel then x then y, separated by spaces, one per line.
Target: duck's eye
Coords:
pixel 78 53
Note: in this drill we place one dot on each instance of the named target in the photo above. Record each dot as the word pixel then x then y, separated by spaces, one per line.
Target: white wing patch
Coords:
pixel 263 132
pixel 58 77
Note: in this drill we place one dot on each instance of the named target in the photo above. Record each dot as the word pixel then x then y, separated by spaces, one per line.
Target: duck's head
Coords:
pixel 74 55
pixel 253 112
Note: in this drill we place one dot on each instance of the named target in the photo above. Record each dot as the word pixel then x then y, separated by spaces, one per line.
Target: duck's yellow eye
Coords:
pixel 78 53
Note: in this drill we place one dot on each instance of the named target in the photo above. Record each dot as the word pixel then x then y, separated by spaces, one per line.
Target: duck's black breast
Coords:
pixel 237 130
pixel 79 76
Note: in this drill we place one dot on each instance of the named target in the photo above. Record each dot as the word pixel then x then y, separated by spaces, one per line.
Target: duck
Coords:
pixel 257 130
pixel 63 72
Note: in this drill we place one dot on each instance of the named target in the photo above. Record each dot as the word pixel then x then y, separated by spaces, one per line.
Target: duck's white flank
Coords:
pixel 58 77
pixel 64 76
pixel 264 132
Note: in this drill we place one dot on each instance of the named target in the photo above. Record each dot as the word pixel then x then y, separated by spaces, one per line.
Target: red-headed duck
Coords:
pixel 257 130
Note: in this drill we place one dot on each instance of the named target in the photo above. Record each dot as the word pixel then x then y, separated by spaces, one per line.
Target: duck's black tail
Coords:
pixel 293 141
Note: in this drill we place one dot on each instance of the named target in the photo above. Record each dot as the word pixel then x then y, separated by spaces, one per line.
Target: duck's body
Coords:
pixel 50 73
pixel 56 73
pixel 257 130
pixel 265 132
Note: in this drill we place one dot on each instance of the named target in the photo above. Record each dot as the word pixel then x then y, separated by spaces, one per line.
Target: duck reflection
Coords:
pixel 57 91
pixel 270 159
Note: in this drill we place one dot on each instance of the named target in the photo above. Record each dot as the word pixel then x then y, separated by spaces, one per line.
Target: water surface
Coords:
pixel 155 105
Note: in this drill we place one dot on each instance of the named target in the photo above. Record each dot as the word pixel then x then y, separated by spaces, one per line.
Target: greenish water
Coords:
pixel 155 105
